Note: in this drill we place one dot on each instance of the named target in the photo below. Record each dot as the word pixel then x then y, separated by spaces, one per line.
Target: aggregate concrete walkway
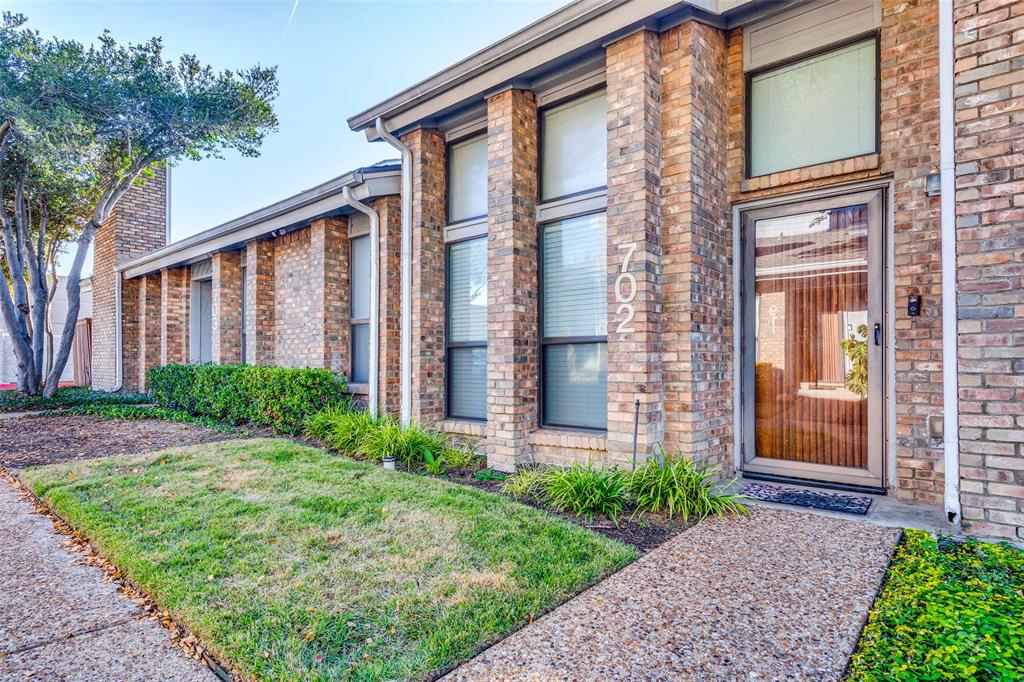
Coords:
pixel 781 595
pixel 58 621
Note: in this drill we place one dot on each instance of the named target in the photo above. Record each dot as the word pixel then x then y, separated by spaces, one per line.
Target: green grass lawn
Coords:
pixel 948 611
pixel 290 563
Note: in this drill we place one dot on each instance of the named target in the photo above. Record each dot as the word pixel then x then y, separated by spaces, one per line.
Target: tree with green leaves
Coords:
pixel 79 125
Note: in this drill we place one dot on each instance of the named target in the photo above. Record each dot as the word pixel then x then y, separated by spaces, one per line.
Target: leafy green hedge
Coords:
pixel 12 401
pixel 246 394
pixel 949 610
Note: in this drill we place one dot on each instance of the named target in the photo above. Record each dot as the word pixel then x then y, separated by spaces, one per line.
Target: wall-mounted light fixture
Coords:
pixel 933 184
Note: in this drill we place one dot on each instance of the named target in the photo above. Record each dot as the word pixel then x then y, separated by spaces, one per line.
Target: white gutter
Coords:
pixel 406 343
pixel 950 406
pixel 346 193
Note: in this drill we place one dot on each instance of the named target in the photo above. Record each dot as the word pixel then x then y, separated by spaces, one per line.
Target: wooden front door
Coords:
pixel 814 338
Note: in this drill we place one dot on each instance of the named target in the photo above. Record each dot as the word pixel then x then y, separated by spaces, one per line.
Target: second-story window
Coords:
pixel 467 179
pixel 359 280
pixel 574 146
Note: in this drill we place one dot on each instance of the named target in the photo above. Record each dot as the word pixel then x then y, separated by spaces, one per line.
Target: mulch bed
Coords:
pixel 32 441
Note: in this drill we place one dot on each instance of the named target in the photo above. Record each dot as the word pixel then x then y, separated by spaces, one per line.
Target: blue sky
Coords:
pixel 334 59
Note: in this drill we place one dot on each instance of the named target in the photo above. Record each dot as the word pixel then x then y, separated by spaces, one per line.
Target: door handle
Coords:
pixel 878 334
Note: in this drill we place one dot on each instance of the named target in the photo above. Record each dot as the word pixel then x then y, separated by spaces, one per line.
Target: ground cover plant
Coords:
pixel 290 563
pixel 70 396
pixel 137 412
pixel 281 398
pixel 948 610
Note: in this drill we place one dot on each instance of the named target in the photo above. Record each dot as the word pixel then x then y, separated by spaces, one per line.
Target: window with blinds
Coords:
pixel 575 323
pixel 574 146
pixel 359 291
pixel 467 329
pixel 815 110
pixel 467 179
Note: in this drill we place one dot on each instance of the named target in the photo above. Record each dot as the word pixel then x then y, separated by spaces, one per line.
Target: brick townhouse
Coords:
pixel 736 228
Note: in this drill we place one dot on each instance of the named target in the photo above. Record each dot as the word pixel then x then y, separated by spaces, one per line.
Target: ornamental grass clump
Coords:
pixel 388 439
pixel 676 485
pixel 527 484
pixel 350 431
pixel 586 491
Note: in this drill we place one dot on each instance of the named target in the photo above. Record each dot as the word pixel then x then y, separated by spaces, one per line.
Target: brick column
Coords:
pixel 697 239
pixel 130 332
pixel 634 232
pixel 149 341
pixel 909 144
pixel 428 280
pixel 512 261
pixel 389 353
pixel 259 302
pixel 328 252
pixel 174 293
pixel 226 344
pixel 990 254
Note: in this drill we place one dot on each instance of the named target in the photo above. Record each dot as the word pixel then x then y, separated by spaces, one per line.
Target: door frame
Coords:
pixel 881 463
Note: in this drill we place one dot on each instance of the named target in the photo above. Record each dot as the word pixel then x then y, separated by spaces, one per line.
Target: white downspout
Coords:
pixel 950 406
pixel 374 374
pixel 118 349
pixel 406 343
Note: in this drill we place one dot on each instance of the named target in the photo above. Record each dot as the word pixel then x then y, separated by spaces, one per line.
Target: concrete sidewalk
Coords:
pixel 59 621
pixel 781 595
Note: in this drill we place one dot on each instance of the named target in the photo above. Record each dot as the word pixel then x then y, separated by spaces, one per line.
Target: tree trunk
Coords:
pixel 74 290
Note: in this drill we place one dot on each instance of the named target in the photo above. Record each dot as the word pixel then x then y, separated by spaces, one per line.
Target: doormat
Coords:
pixel 837 502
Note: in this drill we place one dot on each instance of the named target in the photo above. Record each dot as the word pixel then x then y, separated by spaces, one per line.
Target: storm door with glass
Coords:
pixel 813 340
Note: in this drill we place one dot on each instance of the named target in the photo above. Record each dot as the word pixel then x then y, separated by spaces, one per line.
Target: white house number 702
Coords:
pixel 625 291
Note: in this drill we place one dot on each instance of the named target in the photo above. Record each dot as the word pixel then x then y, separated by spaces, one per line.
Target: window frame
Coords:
pixel 448 176
pixel 450 345
pixel 817 52
pixel 354 322
pixel 542 341
pixel 541 118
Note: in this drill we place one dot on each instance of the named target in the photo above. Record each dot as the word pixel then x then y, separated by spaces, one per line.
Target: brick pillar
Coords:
pixel 634 232
pixel 389 353
pixel 512 260
pixel 428 280
pixel 130 335
pixel 259 302
pixel 329 251
pixel 174 293
pixel 990 253
pixel 909 144
pixel 137 226
pixel 697 240
pixel 150 295
pixel 226 344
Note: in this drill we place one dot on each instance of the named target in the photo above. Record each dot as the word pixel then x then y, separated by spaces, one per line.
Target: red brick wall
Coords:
pixel 512 277
pixel 989 91
pixel 150 295
pixel 174 331
pixel 698 244
pixel 635 231
pixel 428 281
pixel 390 292
pixel 329 255
pixel 137 226
pixel 226 348
pixel 259 302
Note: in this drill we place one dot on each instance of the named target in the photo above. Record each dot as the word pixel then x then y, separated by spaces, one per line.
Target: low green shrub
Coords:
pixel 69 396
pixel 676 485
pixel 527 484
pixel 278 397
pixel 948 610
pixel 586 491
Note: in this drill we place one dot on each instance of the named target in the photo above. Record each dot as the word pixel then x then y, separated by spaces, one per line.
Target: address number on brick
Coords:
pixel 625 291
